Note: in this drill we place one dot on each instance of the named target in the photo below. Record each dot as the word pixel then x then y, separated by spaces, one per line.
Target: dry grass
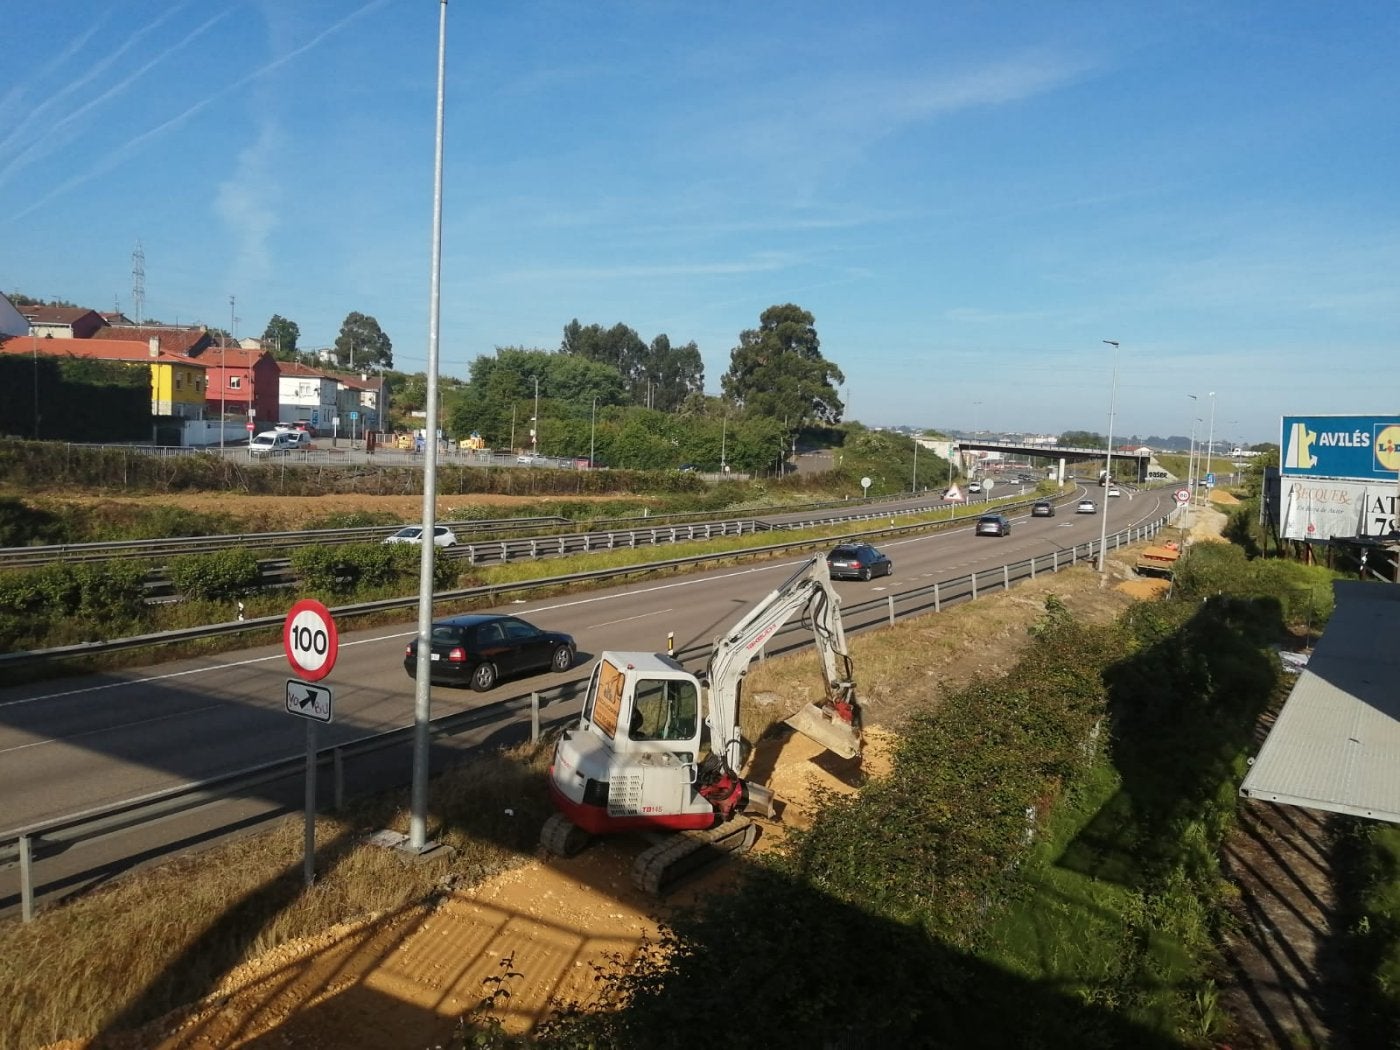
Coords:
pixel 150 942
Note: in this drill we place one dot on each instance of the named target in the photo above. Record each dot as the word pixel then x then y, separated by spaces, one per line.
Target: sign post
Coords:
pixel 312 644
pixel 865 486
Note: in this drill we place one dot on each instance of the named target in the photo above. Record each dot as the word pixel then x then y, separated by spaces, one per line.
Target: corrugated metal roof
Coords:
pixel 1336 743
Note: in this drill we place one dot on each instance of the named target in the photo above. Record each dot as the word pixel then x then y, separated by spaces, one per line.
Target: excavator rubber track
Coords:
pixel 686 852
pixel 563 837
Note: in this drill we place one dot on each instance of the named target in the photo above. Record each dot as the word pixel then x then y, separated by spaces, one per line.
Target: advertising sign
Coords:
pixel 1324 510
pixel 1362 448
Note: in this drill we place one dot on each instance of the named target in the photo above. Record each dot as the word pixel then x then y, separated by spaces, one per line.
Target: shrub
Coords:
pixel 216 575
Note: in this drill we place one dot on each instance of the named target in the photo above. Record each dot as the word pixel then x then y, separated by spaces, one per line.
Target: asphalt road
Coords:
pixel 81 742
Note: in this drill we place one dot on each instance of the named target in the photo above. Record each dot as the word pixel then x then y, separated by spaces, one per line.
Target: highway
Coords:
pixel 76 743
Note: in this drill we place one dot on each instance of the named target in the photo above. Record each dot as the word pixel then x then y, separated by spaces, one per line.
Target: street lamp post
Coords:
pixel 535 422
pixel 723 435
pixel 1108 457
pixel 1191 455
pixel 592 431
pixel 1210 439
pixel 915 487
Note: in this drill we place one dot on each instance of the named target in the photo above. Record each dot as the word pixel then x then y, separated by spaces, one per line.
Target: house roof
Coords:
pixel 231 356
pixel 295 368
pixel 49 315
pixel 125 350
pixel 174 339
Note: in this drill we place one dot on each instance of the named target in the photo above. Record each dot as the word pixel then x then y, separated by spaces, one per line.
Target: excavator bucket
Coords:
pixel 827 728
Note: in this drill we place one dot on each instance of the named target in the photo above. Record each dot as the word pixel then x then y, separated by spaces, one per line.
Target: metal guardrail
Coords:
pixel 488 591
pixel 30 843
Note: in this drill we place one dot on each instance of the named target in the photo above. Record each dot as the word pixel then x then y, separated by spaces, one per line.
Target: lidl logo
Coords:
pixel 1388 448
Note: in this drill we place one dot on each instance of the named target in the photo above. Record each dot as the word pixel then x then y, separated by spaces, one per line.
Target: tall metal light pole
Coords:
pixel 1191 455
pixel 1108 457
pixel 535 422
pixel 592 430
pixel 1210 440
pixel 915 488
pixel 34 340
pixel 422 701
pixel 723 435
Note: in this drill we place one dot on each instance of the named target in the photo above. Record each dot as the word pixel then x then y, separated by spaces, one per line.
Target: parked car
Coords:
pixel 1112 491
pixel 272 442
pixel 442 536
pixel 527 458
pixel 857 561
pixel 299 438
pixel 1087 506
pixel 1042 508
pixel 479 649
pixel 993 525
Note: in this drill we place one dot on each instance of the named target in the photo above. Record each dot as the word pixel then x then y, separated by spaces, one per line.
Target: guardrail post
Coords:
pixel 1006 577
pixel 673 534
pixel 338 777
pixel 26 879
pixel 937 600
pixel 505 553
pixel 974 586
pixel 587 542
pixel 562 547
pixel 1074 555
pixel 534 717
pixel 632 539
pixel 471 555
pixel 890 598
pixel 1055 561
pixel 1032 566
pixel 612 541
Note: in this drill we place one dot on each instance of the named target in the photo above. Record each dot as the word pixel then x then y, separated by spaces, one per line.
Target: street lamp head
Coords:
pixel 1112 342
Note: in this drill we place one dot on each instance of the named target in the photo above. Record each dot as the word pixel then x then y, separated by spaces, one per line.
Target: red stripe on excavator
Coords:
pixel 597 821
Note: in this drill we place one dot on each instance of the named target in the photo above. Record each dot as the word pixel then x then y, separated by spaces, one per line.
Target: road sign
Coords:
pixel 309 701
pixel 310 639
pixel 1210 479
pixel 249 426
pixel 1182 496
pixel 865 484
pixel 987 484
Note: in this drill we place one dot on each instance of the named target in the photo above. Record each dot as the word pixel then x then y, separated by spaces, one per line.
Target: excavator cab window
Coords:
pixel 664 709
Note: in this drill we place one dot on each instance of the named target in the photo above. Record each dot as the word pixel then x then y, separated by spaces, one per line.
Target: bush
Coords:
pixel 350 567
pixel 223 574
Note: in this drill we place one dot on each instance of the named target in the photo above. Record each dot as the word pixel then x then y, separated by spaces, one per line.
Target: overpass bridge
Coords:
pixel 1137 466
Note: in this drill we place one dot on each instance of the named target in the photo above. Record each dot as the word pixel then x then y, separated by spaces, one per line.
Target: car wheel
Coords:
pixel 865 574
pixel 563 659
pixel 483 678
pixel 889 568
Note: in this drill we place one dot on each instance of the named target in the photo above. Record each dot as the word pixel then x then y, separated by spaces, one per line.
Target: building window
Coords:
pixel 235 382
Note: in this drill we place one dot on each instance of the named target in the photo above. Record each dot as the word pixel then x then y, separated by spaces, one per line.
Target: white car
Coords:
pixel 1087 506
pixel 976 486
pixel 442 535
pixel 272 441
pixel 1113 491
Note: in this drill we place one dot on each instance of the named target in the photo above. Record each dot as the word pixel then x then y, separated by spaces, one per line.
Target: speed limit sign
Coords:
pixel 310 639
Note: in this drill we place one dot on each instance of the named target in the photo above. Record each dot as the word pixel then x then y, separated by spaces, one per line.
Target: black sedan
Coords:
pixel 857 561
pixel 477 649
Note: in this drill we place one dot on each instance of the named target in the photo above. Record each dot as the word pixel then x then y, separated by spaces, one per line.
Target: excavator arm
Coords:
pixel 835 723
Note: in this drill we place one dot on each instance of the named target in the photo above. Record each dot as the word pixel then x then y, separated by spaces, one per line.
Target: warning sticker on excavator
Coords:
pixel 608 702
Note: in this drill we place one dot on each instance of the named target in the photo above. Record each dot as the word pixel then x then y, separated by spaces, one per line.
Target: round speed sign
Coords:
pixel 1182 496
pixel 310 639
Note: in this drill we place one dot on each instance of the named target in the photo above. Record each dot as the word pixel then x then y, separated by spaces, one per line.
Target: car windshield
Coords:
pixel 409 533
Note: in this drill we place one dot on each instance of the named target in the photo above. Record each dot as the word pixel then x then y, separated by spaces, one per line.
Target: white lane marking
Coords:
pixel 108 729
pixel 629 619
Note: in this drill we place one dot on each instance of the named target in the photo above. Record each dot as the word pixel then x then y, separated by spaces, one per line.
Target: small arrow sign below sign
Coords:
pixel 309 701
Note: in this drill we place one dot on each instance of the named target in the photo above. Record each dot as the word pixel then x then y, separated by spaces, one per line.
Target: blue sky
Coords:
pixel 969 197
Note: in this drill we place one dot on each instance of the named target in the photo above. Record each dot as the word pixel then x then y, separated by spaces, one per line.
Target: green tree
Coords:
pixel 670 374
pixel 362 344
pixel 1082 439
pixel 777 371
pixel 280 336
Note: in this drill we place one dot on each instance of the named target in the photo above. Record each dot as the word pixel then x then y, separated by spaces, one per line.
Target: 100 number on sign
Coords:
pixel 310 639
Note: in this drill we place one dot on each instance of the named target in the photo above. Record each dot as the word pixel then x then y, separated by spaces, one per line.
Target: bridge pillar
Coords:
pixel 1060 474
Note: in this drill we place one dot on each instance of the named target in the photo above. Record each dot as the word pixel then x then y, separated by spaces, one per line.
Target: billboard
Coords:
pixel 1361 448
pixel 1323 509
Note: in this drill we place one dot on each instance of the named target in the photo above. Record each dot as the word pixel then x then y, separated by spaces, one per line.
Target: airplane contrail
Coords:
pixel 131 146
pixel 40 112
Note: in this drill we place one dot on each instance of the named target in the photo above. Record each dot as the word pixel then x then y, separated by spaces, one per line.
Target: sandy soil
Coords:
pixel 541 930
